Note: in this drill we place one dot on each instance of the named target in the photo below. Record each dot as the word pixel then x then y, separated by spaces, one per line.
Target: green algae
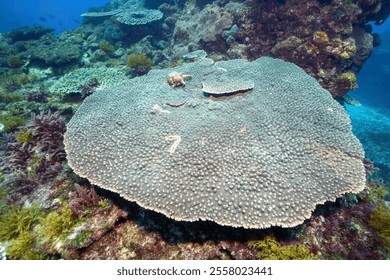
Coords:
pixel 25 136
pixel 106 47
pixel 11 123
pixel 24 248
pixel 271 249
pixel 138 59
pixel 380 222
pixel 56 224
pixel 15 221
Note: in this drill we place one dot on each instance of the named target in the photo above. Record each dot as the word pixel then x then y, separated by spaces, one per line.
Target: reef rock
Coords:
pixel 202 27
pixel 263 158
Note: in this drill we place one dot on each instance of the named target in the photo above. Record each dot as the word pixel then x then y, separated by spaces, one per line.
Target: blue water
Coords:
pixel 58 14
pixel 371 121
pixel 373 80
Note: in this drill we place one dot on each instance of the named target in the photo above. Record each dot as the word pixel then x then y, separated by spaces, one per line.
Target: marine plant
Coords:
pixel 12 85
pixel 84 198
pixel 214 57
pixel 271 249
pixel 25 136
pixel 10 97
pixel 176 62
pixel 14 61
pixel 347 2
pixel 23 79
pixel 56 225
pixel 24 248
pixel 48 130
pixel 374 193
pixel 17 220
pixel 3 195
pixel 348 80
pixel 38 96
pixel 11 123
pixel 380 222
pixel 138 59
pixel 106 47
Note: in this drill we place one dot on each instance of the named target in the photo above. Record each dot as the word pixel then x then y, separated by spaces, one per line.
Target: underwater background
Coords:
pixel 52 59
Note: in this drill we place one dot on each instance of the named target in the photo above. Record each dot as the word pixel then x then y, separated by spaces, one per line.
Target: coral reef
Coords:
pixel 29 33
pixel 48 212
pixel 72 81
pixel 202 27
pixel 284 187
pixel 39 96
pixel 344 234
pixel 325 39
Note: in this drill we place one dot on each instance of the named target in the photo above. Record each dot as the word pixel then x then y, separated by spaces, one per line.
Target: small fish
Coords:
pixel 43 19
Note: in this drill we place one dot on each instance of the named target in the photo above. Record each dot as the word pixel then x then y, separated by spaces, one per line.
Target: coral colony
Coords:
pixel 191 130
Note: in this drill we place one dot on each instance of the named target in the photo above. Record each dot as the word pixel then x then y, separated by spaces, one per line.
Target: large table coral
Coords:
pixel 251 159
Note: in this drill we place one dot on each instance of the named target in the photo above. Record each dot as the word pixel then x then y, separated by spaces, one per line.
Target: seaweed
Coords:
pixel 14 61
pixel 11 123
pixel 24 248
pixel 16 220
pixel 380 222
pixel 106 47
pixel 137 59
pixel 271 249
pixel 10 97
pixel 56 225
pixel 25 136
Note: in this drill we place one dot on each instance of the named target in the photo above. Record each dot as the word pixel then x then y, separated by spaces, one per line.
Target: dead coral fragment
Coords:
pixel 226 87
pixel 176 79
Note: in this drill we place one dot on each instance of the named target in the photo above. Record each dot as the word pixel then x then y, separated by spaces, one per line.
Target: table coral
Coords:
pixel 264 158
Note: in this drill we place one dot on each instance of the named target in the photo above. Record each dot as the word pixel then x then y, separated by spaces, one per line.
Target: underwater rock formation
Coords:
pixel 131 16
pixel 255 159
pixel 287 30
